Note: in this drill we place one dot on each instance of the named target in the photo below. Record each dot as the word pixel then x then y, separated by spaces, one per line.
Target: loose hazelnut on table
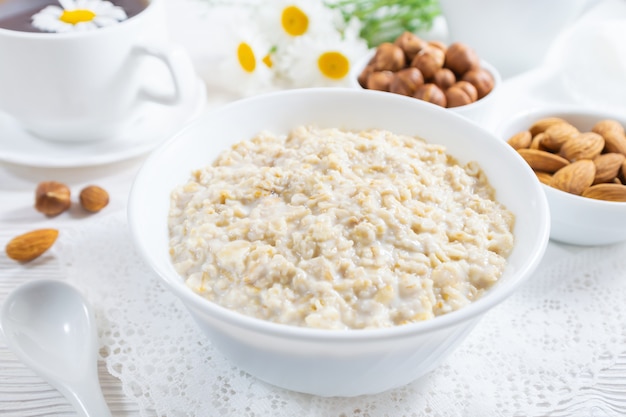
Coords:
pixel 406 81
pixel 94 198
pixel 52 198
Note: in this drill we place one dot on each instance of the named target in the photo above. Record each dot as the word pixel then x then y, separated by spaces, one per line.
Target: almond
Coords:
pixel 574 178
pixel 541 125
pixel 31 245
pixel 586 145
pixel 537 142
pixel 613 134
pixel 543 177
pixel 557 134
pixel 608 165
pixel 520 140
pixel 609 192
pixel 542 160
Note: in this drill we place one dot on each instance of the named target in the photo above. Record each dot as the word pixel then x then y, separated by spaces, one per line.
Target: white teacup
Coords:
pixel 85 86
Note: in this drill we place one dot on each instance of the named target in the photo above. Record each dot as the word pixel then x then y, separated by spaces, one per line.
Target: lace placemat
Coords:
pixel 555 348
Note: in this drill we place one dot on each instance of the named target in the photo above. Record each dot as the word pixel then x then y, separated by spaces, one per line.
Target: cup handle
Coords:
pixel 181 70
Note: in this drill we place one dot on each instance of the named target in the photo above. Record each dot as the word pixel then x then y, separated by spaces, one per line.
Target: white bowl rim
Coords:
pixel 466 314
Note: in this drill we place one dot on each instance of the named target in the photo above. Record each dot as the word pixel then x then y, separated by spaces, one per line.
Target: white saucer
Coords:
pixel 152 125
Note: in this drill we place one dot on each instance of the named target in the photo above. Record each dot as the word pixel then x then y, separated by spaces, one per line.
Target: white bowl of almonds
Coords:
pixel 579 155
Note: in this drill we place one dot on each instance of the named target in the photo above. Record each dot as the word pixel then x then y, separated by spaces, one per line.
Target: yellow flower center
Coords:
pixel 333 65
pixel 267 60
pixel 246 57
pixel 295 22
pixel 77 16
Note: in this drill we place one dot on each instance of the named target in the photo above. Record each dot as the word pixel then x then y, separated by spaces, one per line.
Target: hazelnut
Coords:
pixel 411 44
pixel 481 79
pixel 469 89
pixel 52 198
pixel 380 80
pixel 431 93
pixel 438 45
pixel 444 78
pixel 456 96
pixel 406 81
pixel 94 198
pixel 388 57
pixel 362 78
pixel 428 61
pixel 460 58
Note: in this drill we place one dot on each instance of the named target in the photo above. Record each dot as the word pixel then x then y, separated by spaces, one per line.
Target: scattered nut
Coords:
pixel 94 198
pixel 26 247
pixel 52 198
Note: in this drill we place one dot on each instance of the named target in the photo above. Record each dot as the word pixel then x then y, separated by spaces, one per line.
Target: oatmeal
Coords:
pixel 335 229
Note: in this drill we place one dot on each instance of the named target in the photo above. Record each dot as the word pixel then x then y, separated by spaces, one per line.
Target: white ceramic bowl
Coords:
pixel 478 111
pixel 575 220
pixel 326 362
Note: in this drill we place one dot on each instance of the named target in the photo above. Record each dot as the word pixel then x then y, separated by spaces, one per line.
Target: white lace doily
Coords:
pixel 555 348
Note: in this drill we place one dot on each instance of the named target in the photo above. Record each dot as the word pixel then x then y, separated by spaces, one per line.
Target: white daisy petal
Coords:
pixel 68 4
pixel 301 66
pixel 308 17
pixel 103 13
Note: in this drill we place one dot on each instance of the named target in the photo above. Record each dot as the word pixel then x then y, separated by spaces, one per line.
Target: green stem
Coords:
pixel 384 20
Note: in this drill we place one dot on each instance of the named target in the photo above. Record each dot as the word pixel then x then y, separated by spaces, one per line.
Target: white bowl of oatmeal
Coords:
pixel 347 243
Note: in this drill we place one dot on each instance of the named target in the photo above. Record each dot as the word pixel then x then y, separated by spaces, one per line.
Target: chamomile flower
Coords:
pixel 286 20
pixel 78 15
pixel 246 64
pixel 325 61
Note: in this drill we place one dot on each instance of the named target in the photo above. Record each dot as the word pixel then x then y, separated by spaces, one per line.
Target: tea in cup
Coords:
pixel 78 73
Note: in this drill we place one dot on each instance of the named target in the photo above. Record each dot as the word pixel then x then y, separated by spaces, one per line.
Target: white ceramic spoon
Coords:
pixel 51 328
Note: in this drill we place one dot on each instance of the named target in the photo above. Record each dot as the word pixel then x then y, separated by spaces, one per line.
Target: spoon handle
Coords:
pixel 87 399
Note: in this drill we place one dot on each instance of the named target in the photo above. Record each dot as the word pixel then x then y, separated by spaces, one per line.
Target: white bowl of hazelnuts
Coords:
pixel 451 76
